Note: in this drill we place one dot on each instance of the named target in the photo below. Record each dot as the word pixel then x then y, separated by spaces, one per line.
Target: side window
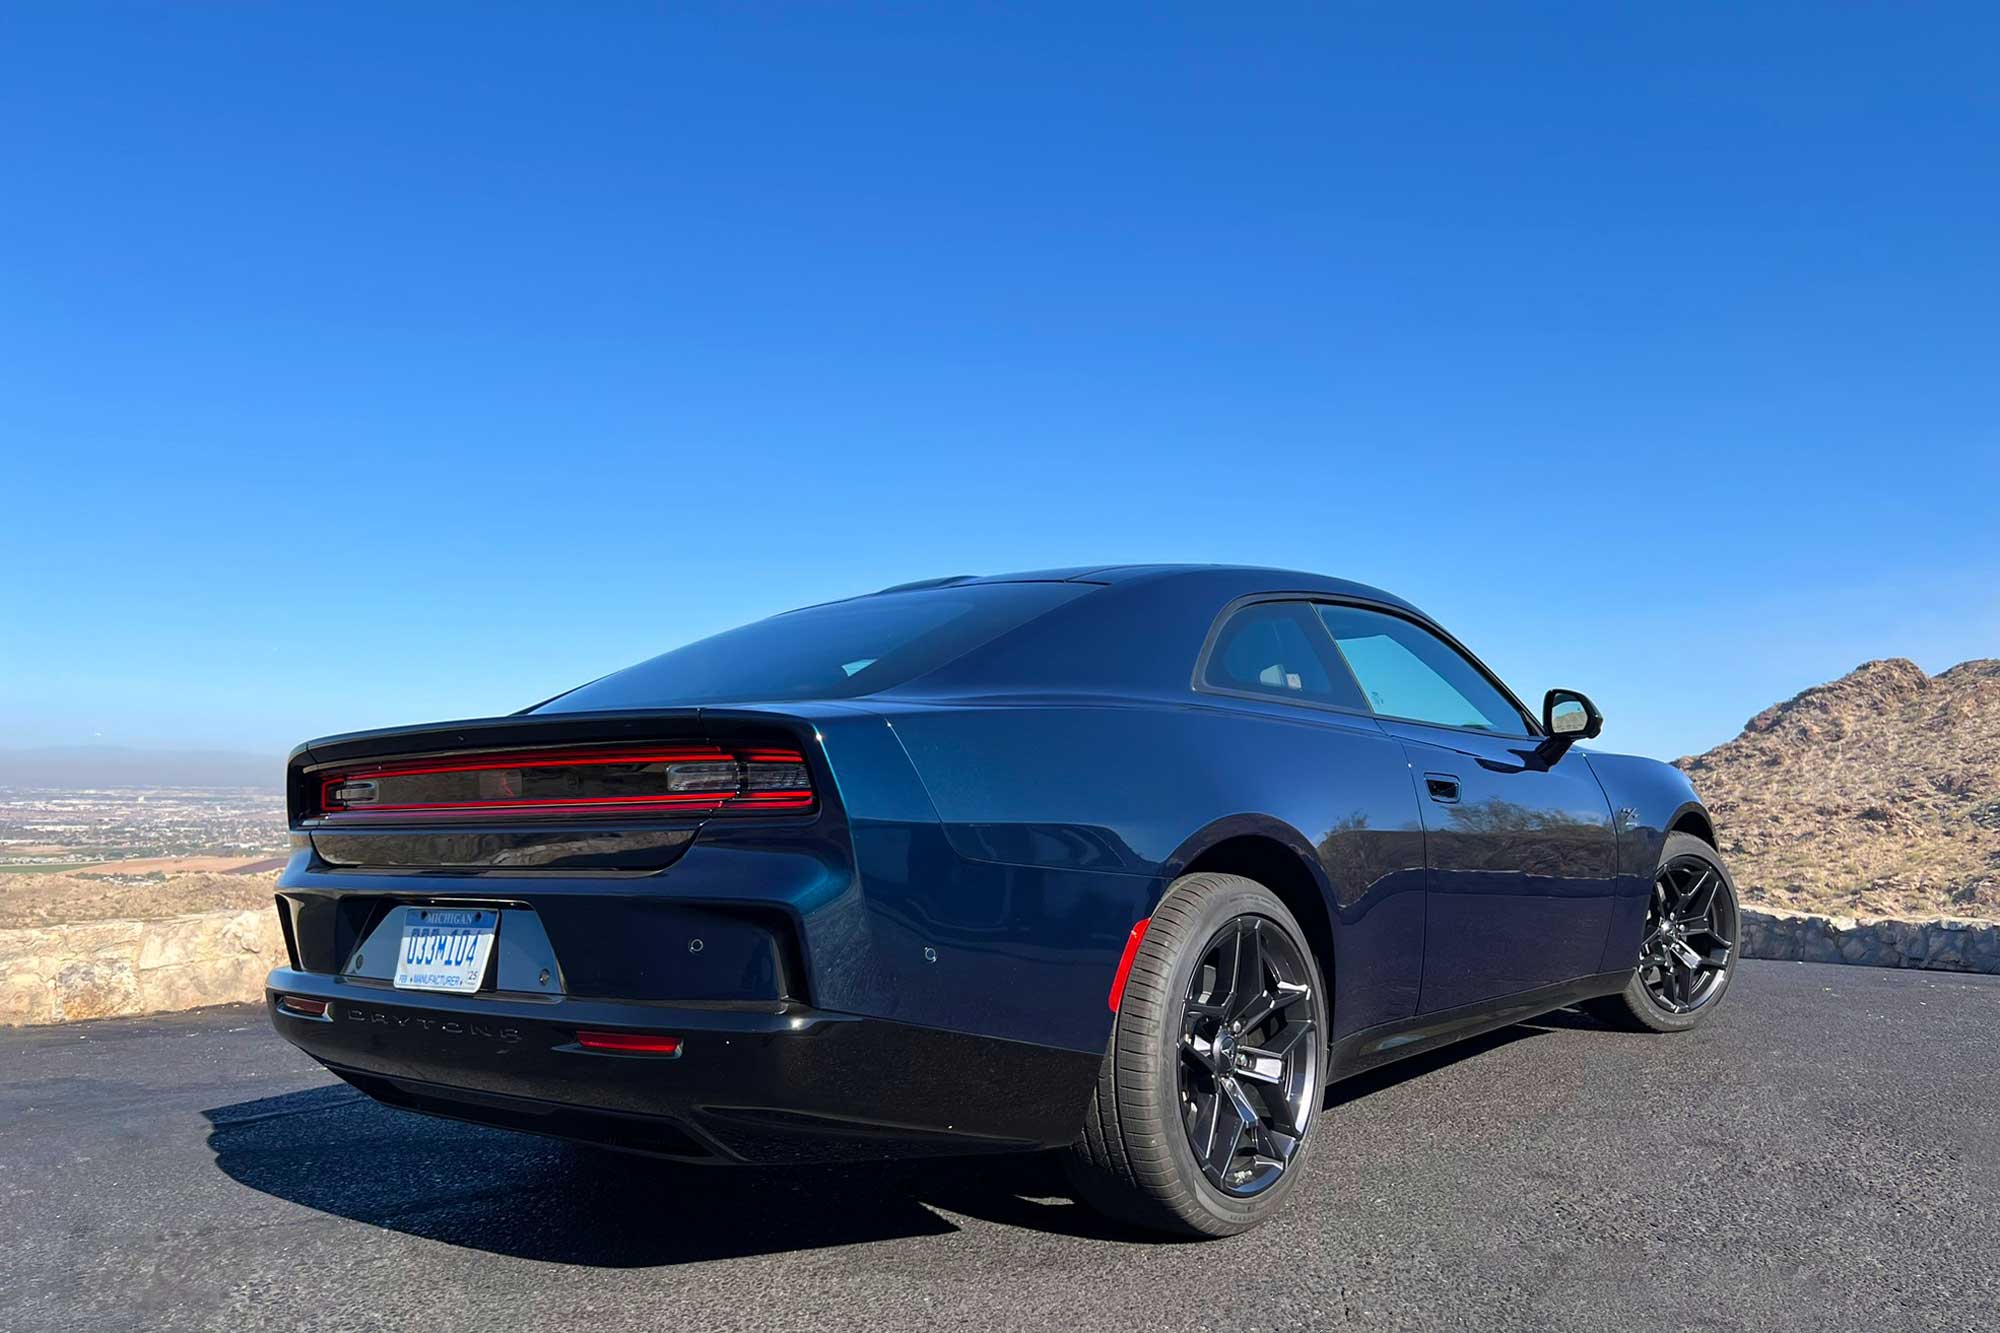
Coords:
pixel 1280 649
pixel 1408 672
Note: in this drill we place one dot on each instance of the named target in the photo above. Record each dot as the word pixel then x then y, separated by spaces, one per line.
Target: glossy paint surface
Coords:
pixel 1333 790
pixel 1649 800
pixel 1522 860
pixel 990 832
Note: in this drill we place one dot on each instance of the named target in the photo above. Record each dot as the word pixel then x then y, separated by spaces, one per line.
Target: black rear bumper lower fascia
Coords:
pixel 763 1083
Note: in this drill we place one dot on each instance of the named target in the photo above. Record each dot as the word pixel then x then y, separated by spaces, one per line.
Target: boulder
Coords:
pixel 96 988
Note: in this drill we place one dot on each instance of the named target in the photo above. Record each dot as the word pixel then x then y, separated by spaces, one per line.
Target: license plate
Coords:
pixel 445 948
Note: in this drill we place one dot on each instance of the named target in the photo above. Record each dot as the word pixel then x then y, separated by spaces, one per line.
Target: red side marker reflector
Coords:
pixel 1125 962
pixel 629 1043
pixel 304 1008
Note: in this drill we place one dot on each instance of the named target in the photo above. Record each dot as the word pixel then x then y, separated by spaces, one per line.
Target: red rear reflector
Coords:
pixel 1125 962
pixel 692 778
pixel 300 1005
pixel 629 1043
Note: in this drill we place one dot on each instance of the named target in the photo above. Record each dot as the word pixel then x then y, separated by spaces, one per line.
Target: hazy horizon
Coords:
pixel 121 766
pixel 103 763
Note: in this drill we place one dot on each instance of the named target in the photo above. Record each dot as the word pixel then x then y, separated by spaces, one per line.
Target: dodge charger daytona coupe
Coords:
pixel 1129 862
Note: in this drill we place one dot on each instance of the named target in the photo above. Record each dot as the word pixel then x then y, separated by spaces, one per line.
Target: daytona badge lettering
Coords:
pixel 451 1027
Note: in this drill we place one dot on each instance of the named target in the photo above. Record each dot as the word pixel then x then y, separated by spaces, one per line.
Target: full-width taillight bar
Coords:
pixel 669 779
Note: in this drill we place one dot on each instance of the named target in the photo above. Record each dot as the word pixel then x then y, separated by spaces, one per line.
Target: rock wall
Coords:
pixel 98 969
pixel 1943 943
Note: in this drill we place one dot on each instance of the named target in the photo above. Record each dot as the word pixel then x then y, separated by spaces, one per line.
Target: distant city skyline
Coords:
pixel 374 365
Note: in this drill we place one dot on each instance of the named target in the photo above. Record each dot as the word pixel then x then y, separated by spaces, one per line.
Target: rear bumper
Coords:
pixel 770 1082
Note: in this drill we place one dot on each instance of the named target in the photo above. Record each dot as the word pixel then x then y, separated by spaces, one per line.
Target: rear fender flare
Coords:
pixel 1222 830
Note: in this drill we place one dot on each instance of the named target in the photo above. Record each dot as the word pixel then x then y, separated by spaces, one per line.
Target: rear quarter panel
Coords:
pixel 1056 804
pixel 921 934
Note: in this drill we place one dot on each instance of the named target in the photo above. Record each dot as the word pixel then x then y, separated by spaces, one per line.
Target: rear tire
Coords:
pixel 1173 1042
pixel 1648 1003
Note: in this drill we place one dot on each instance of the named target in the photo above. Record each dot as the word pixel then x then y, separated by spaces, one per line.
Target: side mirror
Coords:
pixel 1568 717
pixel 1570 714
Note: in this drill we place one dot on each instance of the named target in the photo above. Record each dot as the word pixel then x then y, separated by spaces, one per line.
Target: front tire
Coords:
pixel 1688 954
pixel 1205 1105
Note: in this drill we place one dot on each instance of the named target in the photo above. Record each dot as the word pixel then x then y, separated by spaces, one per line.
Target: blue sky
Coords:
pixel 372 364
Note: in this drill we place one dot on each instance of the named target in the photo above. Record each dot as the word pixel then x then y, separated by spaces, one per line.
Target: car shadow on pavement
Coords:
pixel 333 1150
pixel 1361 1086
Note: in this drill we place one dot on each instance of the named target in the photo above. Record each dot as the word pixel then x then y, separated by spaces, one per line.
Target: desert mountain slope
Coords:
pixel 1875 794
pixel 58 899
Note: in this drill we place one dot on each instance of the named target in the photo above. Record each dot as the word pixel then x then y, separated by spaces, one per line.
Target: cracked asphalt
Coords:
pixel 1825 1154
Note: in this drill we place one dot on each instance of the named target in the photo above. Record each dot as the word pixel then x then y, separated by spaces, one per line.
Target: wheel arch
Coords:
pixel 1692 818
pixel 1277 856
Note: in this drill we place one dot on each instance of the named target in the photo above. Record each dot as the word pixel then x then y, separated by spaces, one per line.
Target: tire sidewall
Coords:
pixel 1242 898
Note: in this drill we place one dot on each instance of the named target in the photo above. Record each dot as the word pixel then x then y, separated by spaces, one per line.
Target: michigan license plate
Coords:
pixel 445 948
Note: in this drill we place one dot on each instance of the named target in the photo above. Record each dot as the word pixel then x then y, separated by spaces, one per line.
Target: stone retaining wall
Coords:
pixel 1947 944
pixel 98 969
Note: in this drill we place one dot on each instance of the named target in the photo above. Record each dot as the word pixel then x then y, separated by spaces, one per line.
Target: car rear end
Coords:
pixel 649 929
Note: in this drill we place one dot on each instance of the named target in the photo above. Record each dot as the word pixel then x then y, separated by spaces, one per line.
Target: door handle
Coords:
pixel 1443 788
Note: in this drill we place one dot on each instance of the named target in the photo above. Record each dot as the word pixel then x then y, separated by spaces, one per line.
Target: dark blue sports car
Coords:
pixel 1130 862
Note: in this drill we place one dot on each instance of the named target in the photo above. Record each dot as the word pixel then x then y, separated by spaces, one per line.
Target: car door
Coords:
pixel 1520 851
pixel 1317 759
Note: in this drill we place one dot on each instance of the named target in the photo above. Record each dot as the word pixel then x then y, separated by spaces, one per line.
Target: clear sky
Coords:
pixel 365 364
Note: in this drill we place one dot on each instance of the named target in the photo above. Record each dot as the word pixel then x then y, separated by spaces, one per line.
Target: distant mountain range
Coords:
pixel 124 766
pixel 1875 794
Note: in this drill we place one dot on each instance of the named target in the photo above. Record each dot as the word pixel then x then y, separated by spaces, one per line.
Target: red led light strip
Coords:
pixel 529 759
pixel 629 1043
pixel 677 800
pixel 782 798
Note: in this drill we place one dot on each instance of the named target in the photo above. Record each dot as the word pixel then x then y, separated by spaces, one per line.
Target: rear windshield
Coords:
pixel 834 651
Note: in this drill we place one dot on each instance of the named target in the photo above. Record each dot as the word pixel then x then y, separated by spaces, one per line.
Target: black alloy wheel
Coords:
pixel 1249 1067
pixel 1688 948
pixel 1691 932
pixel 1205 1112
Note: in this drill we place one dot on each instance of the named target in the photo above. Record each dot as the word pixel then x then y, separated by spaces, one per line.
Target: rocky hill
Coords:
pixel 1875 794
pixel 55 899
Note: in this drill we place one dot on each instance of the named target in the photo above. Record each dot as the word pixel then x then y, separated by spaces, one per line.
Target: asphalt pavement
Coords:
pixel 1825 1154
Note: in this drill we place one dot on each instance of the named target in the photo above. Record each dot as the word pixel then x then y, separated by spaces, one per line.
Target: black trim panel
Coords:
pixel 567 850
pixel 1371 1048
pixel 753 1082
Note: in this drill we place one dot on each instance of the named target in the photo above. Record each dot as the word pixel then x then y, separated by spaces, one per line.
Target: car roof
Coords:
pixel 1244 580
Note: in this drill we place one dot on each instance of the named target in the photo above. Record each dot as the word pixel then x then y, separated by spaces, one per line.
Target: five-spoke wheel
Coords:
pixel 1249 1069
pixel 1205 1104
pixel 1687 952
pixel 1690 939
